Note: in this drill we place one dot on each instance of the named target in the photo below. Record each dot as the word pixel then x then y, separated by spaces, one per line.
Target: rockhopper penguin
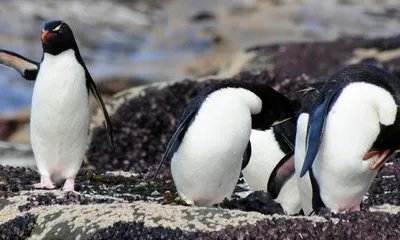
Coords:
pixel 211 143
pixel 60 110
pixel 345 132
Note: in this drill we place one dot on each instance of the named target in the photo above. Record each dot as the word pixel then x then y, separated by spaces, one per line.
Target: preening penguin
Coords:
pixel 345 132
pixel 212 138
pixel 271 164
pixel 60 110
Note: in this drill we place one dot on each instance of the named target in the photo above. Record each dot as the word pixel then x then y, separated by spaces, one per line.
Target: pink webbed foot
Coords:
pixel 69 185
pixel 45 182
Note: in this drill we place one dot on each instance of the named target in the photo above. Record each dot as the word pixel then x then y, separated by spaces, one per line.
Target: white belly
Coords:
pixel 265 155
pixel 59 116
pixel 207 165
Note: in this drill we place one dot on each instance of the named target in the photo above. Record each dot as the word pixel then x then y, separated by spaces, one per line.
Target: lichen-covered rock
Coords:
pixel 18 228
pixel 125 204
pixel 352 226
pixel 144 118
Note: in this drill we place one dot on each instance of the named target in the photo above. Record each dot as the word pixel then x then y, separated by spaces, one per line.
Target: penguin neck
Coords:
pixel 58 52
pixel 65 54
pixel 56 49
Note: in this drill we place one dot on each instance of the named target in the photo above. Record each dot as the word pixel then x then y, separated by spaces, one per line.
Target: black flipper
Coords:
pixel 317 202
pixel 183 124
pixel 281 173
pixel 246 156
pixel 316 124
pixel 26 67
pixel 92 86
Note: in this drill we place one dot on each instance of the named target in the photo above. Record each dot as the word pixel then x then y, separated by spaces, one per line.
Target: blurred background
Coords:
pixel 128 43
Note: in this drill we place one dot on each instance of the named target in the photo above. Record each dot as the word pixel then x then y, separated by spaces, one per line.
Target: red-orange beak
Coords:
pixel 46 36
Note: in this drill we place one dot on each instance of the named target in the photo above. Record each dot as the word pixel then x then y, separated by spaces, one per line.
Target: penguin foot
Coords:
pixel 69 185
pixel 45 182
pixel 382 157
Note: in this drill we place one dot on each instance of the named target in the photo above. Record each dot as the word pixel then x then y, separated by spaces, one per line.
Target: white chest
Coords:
pixel 60 96
pixel 60 82
pixel 60 73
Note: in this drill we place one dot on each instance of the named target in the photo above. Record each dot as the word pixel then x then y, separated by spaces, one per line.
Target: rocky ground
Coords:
pixel 121 205
pixel 119 200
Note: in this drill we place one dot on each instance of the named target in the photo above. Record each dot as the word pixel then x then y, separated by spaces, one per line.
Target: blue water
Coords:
pixel 15 92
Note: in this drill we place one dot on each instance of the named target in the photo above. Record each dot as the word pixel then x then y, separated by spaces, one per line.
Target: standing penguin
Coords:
pixel 345 132
pixel 212 138
pixel 60 110
pixel 271 164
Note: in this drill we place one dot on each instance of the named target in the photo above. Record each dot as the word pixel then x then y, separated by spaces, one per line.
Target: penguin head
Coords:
pixel 57 37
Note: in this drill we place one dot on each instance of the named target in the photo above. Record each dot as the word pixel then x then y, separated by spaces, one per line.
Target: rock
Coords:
pixel 9 123
pixel 7 128
pixel 16 154
pixel 153 110
pixel 202 16
pixel 257 201
pixel 21 135
pixel 126 206
pixel 117 84
pixel 18 228
pixel 114 203
pixel 107 199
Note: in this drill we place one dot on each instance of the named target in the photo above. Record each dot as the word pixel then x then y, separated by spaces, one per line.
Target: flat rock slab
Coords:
pixel 69 221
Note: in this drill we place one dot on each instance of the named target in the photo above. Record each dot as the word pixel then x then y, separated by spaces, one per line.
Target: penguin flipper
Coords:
pixel 316 124
pixel 281 173
pixel 92 86
pixel 246 156
pixel 26 67
pixel 183 124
